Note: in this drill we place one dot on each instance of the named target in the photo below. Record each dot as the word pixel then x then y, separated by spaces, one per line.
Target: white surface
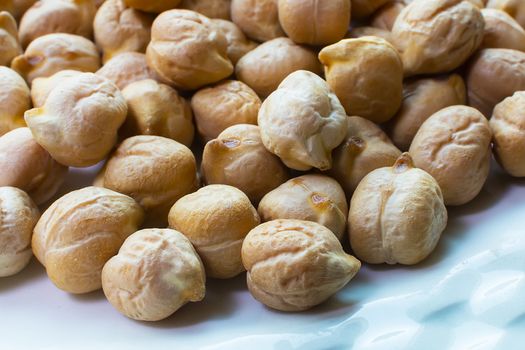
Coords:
pixel 470 294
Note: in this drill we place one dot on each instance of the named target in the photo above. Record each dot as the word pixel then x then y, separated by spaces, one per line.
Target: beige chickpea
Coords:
pixel 364 8
pixel 221 106
pixel 79 120
pixel 188 50
pixel 209 8
pixel 80 232
pixel 313 197
pixel 367 76
pixel 365 148
pixel 41 87
pixel 51 53
pixel 385 17
pixel 502 31
pixel 57 16
pixel 14 100
pixel 237 157
pixel 9 45
pixel 437 36
pixel 294 265
pixel 258 19
pixel 396 215
pixel 28 166
pixel 515 8
pixel 493 75
pixel 157 109
pixel 18 217
pixel 265 67
pixel 238 44
pixel 153 170
pixel 508 125
pixel 423 97
pixel 359 32
pixel 216 219
pixel 302 122
pixel 453 146
pixel 153 6
pixel 126 68
pixel 313 22
pixel 155 272
pixel 119 28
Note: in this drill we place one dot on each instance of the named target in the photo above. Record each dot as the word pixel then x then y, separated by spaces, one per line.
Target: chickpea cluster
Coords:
pixel 261 137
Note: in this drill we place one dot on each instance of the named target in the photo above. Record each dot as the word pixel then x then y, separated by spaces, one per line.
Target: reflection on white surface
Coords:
pixel 470 294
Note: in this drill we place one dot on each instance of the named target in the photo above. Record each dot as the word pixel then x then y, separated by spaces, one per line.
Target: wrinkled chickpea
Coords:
pixel 258 19
pixel 9 45
pixel 502 31
pixel 209 8
pixel 126 68
pixel 42 87
pixel 14 100
pixel 238 44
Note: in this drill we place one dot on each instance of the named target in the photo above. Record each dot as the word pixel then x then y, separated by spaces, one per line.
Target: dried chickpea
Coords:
pixel 437 36
pixel 80 232
pixel 18 217
pixel 9 45
pixel 57 16
pixel 51 53
pixel 396 215
pixel 453 146
pixel 155 272
pixel 302 122
pixel 153 170
pixel 294 265
pixel 188 50
pixel 364 8
pixel 79 120
pixel 265 67
pixel 313 197
pixel 508 125
pixel 209 8
pixel 20 7
pixel 157 109
pixel 216 219
pixel 359 32
pixel 238 44
pixel 119 28
pixel 385 17
pixel 258 19
pixel 41 87
pixel 423 97
pixel 26 165
pixel 237 157
pixel 515 8
pixel 153 6
pixel 365 148
pixel 126 68
pixel 15 99
pixel 221 106
pixel 366 74
pixel 493 75
pixel 502 31
pixel 314 22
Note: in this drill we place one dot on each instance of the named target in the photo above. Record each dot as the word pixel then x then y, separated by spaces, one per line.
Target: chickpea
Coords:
pixel 265 67
pixel 258 19
pixel 41 87
pixel 209 8
pixel 14 100
pixel 515 8
pixel 9 45
pixel 18 217
pixel 155 272
pixel 453 146
pixel 294 265
pixel 396 215
pixel 367 76
pixel 20 7
pixel 153 6
pixel 302 122
pixel 216 219
pixel 386 15
pixel 126 68
pixel 359 32
pixel 364 8
pixel 502 31
pixel 237 157
pixel 238 44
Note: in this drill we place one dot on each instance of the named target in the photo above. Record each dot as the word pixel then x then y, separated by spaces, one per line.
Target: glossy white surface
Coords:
pixel 470 294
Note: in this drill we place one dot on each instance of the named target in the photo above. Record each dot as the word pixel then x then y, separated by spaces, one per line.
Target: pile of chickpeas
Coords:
pixel 248 136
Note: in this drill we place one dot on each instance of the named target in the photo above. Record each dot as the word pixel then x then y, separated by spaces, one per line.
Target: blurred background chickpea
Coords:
pixel 386 15
pixel 515 8
pixel 14 100
pixel 502 31
pixel 209 8
pixel 153 6
pixel 258 19
pixel 9 45
pixel 126 68
pixel 364 8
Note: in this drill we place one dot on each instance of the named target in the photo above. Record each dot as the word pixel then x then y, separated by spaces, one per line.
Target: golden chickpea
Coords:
pixel 126 68
pixel 20 7
pixel 396 215
pixel 228 103
pixel 155 272
pixel 153 6
pixel 18 217
pixel 14 100
pixel 237 157
pixel 52 53
pixel 216 219
pixel 364 8
pixel 119 28
pixel 79 120
pixel 365 148
pixel 385 17
pixel 265 67
pixel 80 232
pixel 9 45
pixel 258 19
pixel 157 109
pixel 41 87
pixel 28 166
pixel 502 31
pixel 294 265
pixel 515 8
pixel 209 8
pixel 359 32
pixel 238 44
pixel 453 146
pixel 367 76
pixel 187 50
